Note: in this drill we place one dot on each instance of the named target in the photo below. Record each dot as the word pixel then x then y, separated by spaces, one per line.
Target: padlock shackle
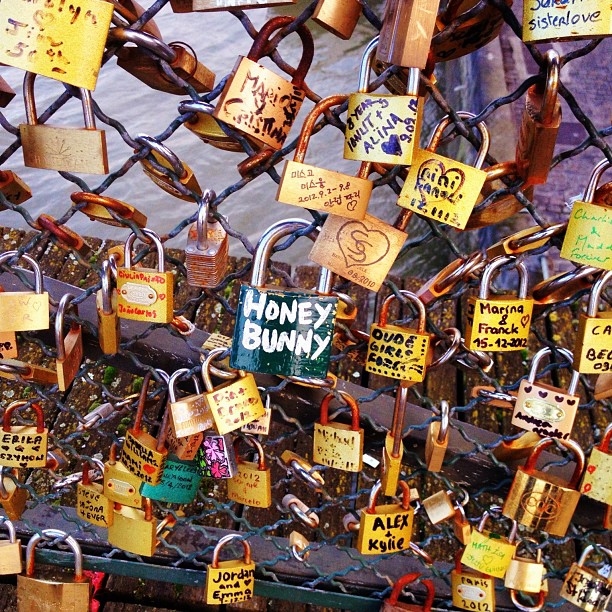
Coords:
pixel 53 534
pixel 65 303
pixel 410 297
pixel 300 510
pixel 202 220
pixel 524 608
pixel 570 445
pixel 598 170
pixel 168 154
pixel 252 441
pixel 112 453
pixel 444 421
pixel 399 411
pixel 40 419
pixel 175 376
pixel 404 581
pixel 38 276
pixel 494 265
pixel 95 200
pixel 142 400
pixel 195 106
pixel 438 132
pixel 575 379
pixel 127 253
pixel 523 541
pixel 604 445
pixel 148 508
pixel 489 513
pixel 551 87
pixel 589 549
pixel 598 286
pixel 258 49
pixel 349 400
pixel 145 40
pixel 226 540
pixel 207 367
pixel 376 489
pixel 107 288
pixel 12 532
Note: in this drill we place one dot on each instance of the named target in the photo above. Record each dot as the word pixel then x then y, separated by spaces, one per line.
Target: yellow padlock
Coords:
pixel 22 445
pixel 252 483
pixel 91 503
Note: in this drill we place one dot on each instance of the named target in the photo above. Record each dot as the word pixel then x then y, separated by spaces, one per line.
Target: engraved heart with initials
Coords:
pixel 437 184
pixel 360 245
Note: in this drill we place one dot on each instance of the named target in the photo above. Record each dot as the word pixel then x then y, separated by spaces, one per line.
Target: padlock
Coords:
pixel 257 101
pixel 102 208
pixel 216 457
pixel 24 310
pixel 38 594
pixel 233 403
pixel 7 93
pixel 299 546
pixel 540 124
pixel 120 485
pixel 134 530
pixel 145 294
pixel 316 188
pixel 440 187
pixel 13 188
pixel 283 331
pixel 543 501
pixel 143 62
pixel 260 426
pixel 461 526
pixel 546 410
pixel 252 484
pixel 391 604
pixel 207 249
pixel 472 590
pixel 587 238
pixel 190 6
pixel 70 347
pixel 10 551
pixel 406 33
pixel 395 351
pixel 338 445
pixel 24 446
pixel 524 574
pixel 488 552
pixel 436 442
pixel 586 588
pixel 190 415
pixel 388 528
pixel 338 16
pixel 13 496
pixel 381 127
pixel 501 322
pixel 142 454
pixel 593 353
pixel 91 503
pixel 442 506
pixel 179 483
pixel 596 482
pixel 166 158
pixel 394 448
pixel 64 149
pixel 230 581
pixel 109 331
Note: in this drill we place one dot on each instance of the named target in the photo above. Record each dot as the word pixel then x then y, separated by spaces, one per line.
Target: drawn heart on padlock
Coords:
pixel 392 146
pixel 437 184
pixel 591 468
pixel 570 402
pixel 528 389
pixel 148 468
pixel 361 246
pixel 543 394
pixel 487 560
pixel 525 320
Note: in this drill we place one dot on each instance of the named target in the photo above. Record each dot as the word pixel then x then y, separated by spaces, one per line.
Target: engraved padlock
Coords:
pixel 252 484
pixel 392 603
pixel 134 530
pixel 190 415
pixel 91 503
pixel 541 500
pixel 145 294
pixel 66 149
pixel 70 346
pixel 10 550
pixel 260 426
pixel 24 446
pixel 546 410
pixel 13 494
pixel 596 482
pixel 8 342
pixel 281 330
pixel 216 457
pixel 472 590
pixel 338 16
pixel 437 439
pixel 109 330
pixel 13 188
pixel 500 322
pixel 525 574
pixel 120 485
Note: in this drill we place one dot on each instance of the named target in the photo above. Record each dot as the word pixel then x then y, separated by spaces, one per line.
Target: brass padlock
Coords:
pixel 586 588
pixel 442 188
pixel 596 482
pixel 392 603
pixel 190 415
pixel 524 574
pixel 593 353
pixel 167 159
pixel 145 294
pixel 38 594
pixel 388 528
pixel 91 503
pixel 120 485
pixel 134 530
pixel 252 484
pixel 539 126
pixel 216 457
pixel 546 410
pixel 543 501
pixel 338 16
pixel 10 551
pixel 338 445
pixel 395 351
pixel 109 331
pixel 107 210
pixel 394 448
pixel 144 62
pixel 281 330
pixel 316 188
pixel 501 322
pixel 587 238
pixel 13 188
pixel 207 249
pixel 260 426
pixel 461 526
pixel 472 590
pixel 268 119
pixel 381 127
pixel 64 149
pixel 230 581
pixel 13 495
pixel 24 310
pixel 70 347
pixel 437 439
pixel 23 446
pixel 443 505
pixel 190 6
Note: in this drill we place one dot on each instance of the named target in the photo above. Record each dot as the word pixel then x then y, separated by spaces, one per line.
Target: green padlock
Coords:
pixel 179 484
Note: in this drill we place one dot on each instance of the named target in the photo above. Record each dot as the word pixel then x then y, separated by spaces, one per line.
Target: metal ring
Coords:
pixel 15 368
pixel 300 471
pixel 170 156
pixel 544 233
pixel 309 519
pixel 451 350
pixel 298 554
pixel 419 552
pixel 195 106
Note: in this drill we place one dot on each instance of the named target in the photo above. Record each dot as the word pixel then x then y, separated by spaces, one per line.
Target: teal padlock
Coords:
pixel 179 484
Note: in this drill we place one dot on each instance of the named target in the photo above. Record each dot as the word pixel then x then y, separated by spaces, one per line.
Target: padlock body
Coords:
pixel 434 449
pixel 179 483
pixel 397 352
pixel 230 582
pixel 596 482
pixel 593 349
pixel 587 238
pixel 206 268
pixel 184 448
pixel 130 531
pixel 488 553
pixel 545 410
pixel 145 294
pixel 14 189
pixel 283 332
pixel 190 6
pixel 250 486
pixel 332 192
pixel 338 16
pixel 260 426
pixel 10 558
pixel 387 530
pixel 68 367
pixel 499 323
pixel 15 502
pixel 586 589
pixel 65 149
pixel 92 505
pixel 392 466
pixel 216 458
pixel 524 575
pixel 23 311
pixel 439 507
pixel 39 595
pixel 541 501
pixel 361 251
pixel 240 104
pixel 337 445
pixel 441 188
pixel 473 592
pixel 109 331
pixel 139 455
pixel 122 486
pixel 191 415
pixel 26 447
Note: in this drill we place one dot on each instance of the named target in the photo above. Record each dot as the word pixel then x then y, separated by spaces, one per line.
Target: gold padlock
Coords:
pixel 543 501
pixel 461 526
pixel 70 347
pixel 120 485
pixel 437 439
pixel 62 148
pixel 338 445
pixel 260 426
pixel 392 603
pixel 230 581
pixel 38 594
pixel 13 495
pixel 524 574
pixel 109 331
pixel 107 210
pixel 10 551
pixel 91 503
pixel 252 484
pixel 394 448
pixel 13 188
pixel 134 530
pixel 442 505
pixel 338 16
pixel 472 590
pixel 190 415
pixel 24 446
pixel 596 482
